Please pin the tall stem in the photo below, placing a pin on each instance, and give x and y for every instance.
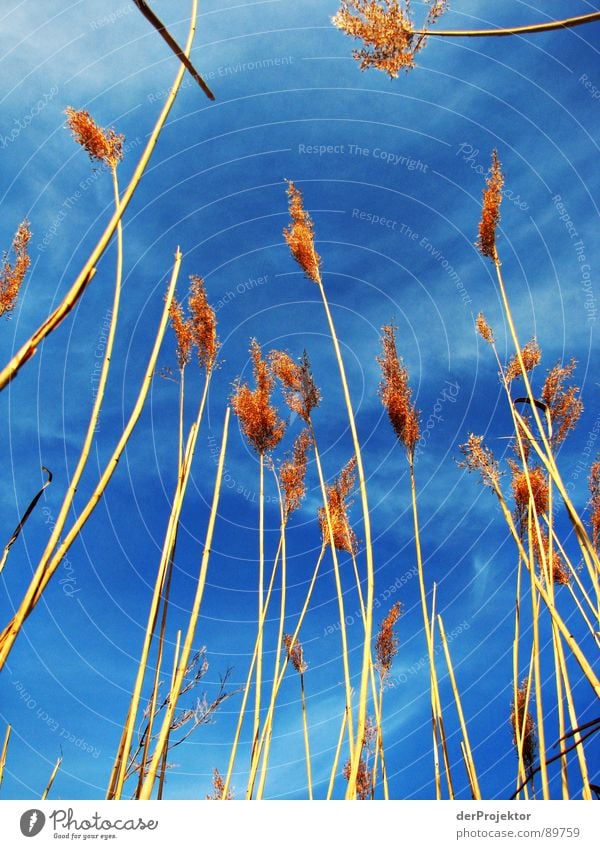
(182, 667)
(364, 678)
(527, 29)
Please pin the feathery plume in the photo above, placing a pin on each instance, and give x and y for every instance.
(560, 574)
(387, 31)
(564, 405)
(300, 236)
(478, 458)
(528, 733)
(293, 473)
(364, 778)
(484, 330)
(386, 644)
(520, 488)
(490, 214)
(344, 538)
(299, 389)
(183, 333)
(104, 145)
(531, 356)
(198, 330)
(218, 787)
(13, 274)
(395, 393)
(295, 654)
(203, 324)
(258, 418)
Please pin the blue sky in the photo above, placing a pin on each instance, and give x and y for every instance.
(409, 151)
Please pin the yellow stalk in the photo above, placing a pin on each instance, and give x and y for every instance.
(279, 644)
(261, 568)
(120, 770)
(246, 691)
(471, 771)
(27, 350)
(338, 750)
(364, 678)
(42, 576)
(528, 29)
(427, 627)
(269, 719)
(306, 744)
(377, 700)
(338, 585)
(177, 684)
(163, 765)
(438, 703)
(51, 779)
(518, 738)
(4, 752)
(537, 675)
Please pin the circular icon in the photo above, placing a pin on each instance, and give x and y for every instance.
(32, 822)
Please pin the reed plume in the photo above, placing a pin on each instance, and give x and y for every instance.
(300, 236)
(299, 389)
(13, 273)
(258, 418)
(386, 642)
(344, 538)
(490, 215)
(522, 719)
(395, 393)
(387, 31)
(218, 784)
(102, 145)
(528, 358)
(564, 405)
(293, 474)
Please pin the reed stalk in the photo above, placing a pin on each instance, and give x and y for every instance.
(120, 767)
(4, 752)
(44, 795)
(177, 683)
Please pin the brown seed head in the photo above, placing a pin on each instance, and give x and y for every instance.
(183, 333)
(531, 356)
(481, 459)
(520, 488)
(395, 393)
(104, 145)
(387, 31)
(484, 330)
(293, 473)
(490, 214)
(300, 236)
(594, 485)
(258, 418)
(386, 644)
(564, 405)
(528, 732)
(295, 654)
(299, 388)
(344, 538)
(364, 778)
(218, 787)
(204, 324)
(13, 274)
